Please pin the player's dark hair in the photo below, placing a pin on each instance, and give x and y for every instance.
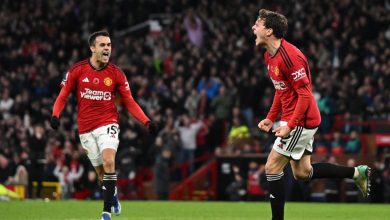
(93, 36)
(277, 22)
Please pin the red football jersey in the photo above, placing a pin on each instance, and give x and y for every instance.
(290, 74)
(96, 90)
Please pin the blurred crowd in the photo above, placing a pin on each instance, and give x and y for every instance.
(198, 75)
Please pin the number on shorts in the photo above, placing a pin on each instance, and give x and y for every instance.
(112, 130)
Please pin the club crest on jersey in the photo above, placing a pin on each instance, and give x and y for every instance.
(107, 81)
(273, 69)
(276, 71)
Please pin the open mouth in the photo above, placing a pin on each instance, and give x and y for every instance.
(106, 54)
(255, 35)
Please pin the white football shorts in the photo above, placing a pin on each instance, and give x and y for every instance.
(96, 141)
(299, 140)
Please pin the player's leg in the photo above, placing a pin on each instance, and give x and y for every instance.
(116, 208)
(109, 178)
(301, 149)
(274, 172)
(90, 145)
(100, 173)
(91, 148)
(281, 154)
(108, 141)
(304, 170)
(301, 164)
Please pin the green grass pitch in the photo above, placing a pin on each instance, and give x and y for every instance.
(148, 210)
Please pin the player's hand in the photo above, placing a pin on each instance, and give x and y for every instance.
(152, 127)
(282, 131)
(265, 125)
(54, 122)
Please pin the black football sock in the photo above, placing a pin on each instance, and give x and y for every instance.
(328, 170)
(276, 195)
(109, 183)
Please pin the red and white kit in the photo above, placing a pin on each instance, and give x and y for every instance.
(96, 91)
(97, 116)
(290, 74)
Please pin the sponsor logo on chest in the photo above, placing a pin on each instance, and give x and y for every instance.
(280, 85)
(95, 95)
(274, 72)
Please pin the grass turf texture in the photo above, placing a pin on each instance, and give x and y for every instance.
(148, 210)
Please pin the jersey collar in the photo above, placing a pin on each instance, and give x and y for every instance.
(90, 64)
(277, 51)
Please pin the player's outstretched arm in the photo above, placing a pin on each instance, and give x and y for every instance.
(128, 100)
(59, 105)
(67, 86)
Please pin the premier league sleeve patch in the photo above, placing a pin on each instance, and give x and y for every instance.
(63, 82)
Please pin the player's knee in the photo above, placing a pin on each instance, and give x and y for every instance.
(108, 164)
(301, 174)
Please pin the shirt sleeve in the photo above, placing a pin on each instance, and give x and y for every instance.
(276, 107)
(297, 72)
(67, 84)
(298, 77)
(304, 100)
(128, 100)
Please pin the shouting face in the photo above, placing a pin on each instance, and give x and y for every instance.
(261, 32)
(101, 51)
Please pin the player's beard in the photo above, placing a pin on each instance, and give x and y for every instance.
(100, 62)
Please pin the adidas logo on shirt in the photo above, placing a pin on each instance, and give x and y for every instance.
(85, 80)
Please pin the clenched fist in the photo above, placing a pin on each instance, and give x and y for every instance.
(265, 125)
